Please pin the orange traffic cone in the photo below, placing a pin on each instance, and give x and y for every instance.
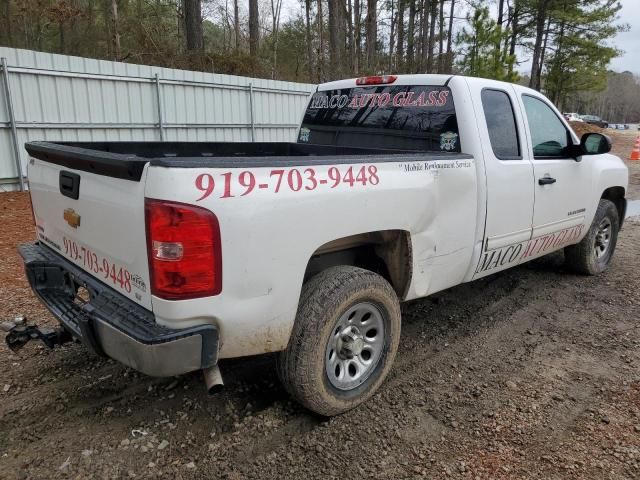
(635, 153)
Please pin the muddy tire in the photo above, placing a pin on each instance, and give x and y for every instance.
(593, 254)
(344, 340)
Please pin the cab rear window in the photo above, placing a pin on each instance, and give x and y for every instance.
(419, 118)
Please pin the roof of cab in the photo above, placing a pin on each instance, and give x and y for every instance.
(418, 79)
(423, 79)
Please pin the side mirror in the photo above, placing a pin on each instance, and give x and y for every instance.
(595, 144)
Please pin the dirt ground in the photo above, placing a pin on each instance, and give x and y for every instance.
(529, 373)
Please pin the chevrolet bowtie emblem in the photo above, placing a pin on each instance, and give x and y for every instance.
(71, 217)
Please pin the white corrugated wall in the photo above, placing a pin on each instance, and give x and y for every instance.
(58, 97)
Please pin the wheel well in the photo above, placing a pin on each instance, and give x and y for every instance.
(386, 252)
(616, 195)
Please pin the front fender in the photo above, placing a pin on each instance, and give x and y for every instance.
(611, 178)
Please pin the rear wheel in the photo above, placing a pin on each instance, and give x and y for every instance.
(593, 254)
(343, 342)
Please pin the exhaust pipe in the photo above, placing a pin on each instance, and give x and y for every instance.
(213, 379)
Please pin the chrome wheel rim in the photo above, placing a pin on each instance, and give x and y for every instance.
(355, 346)
(603, 238)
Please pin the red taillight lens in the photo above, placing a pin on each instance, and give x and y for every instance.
(185, 259)
(376, 80)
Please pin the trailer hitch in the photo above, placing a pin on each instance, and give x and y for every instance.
(19, 333)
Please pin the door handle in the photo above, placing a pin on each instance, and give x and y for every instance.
(546, 181)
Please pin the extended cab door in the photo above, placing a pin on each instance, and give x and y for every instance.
(509, 175)
(562, 184)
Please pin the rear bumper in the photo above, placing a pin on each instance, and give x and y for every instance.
(112, 325)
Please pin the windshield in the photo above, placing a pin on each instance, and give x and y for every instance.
(420, 118)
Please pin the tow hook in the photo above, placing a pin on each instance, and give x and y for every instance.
(19, 333)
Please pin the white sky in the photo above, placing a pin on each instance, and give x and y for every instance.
(629, 41)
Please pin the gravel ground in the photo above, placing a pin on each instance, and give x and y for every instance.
(529, 373)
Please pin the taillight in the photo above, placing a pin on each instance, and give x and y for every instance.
(185, 259)
(376, 80)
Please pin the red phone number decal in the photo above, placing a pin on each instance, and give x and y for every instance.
(119, 276)
(230, 184)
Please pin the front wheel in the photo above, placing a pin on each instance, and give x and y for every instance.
(344, 340)
(593, 254)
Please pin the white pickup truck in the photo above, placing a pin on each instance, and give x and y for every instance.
(170, 256)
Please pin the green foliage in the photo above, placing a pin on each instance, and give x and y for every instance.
(481, 52)
(580, 58)
(581, 65)
(148, 30)
(292, 57)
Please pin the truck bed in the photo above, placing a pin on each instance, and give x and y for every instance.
(126, 160)
(276, 206)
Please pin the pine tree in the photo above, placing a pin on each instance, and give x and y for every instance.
(481, 52)
(580, 57)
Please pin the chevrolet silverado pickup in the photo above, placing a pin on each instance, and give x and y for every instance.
(170, 256)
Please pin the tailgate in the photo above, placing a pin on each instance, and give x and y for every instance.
(96, 220)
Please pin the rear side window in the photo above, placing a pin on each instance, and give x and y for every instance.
(501, 122)
(419, 118)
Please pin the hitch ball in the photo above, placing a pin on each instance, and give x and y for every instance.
(9, 325)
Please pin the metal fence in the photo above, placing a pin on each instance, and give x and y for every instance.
(60, 98)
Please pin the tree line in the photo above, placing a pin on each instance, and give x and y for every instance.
(618, 102)
(561, 45)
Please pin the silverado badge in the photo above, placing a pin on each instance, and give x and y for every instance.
(71, 217)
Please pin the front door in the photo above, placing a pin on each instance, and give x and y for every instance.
(562, 185)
